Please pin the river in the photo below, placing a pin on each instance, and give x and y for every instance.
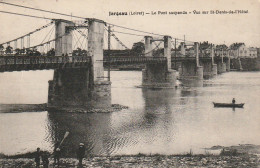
(165, 121)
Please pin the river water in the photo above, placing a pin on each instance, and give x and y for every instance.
(166, 121)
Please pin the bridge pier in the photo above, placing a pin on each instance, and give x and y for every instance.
(101, 90)
(209, 67)
(82, 87)
(221, 66)
(191, 69)
(214, 69)
(228, 64)
(159, 74)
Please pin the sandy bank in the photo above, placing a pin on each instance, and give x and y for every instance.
(146, 161)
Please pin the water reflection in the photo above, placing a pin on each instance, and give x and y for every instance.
(158, 114)
(192, 83)
(90, 129)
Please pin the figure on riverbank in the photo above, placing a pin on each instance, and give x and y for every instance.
(37, 157)
(81, 153)
(233, 101)
(45, 160)
(56, 153)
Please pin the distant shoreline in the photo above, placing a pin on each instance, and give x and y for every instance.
(16, 108)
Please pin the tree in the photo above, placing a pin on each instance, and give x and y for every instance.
(1, 47)
(51, 52)
(29, 52)
(204, 45)
(36, 53)
(76, 52)
(138, 48)
(158, 52)
(84, 52)
(179, 47)
(22, 51)
(17, 51)
(9, 50)
(235, 46)
(222, 46)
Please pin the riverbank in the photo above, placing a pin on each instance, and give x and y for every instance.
(17, 108)
(246, 155)
(146, 161)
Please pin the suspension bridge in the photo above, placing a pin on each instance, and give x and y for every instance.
(76, 53)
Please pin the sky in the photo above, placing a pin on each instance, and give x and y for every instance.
(215, 28)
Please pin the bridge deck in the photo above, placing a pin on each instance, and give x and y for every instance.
(24, 63)
(21, 63)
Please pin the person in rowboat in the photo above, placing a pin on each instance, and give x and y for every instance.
(233, 101)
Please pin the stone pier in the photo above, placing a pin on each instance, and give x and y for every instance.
(82, 87)
(191, 69)
(101, 90)
(228, 64)
(159, 75)
(221, 66)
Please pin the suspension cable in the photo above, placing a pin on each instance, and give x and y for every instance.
(46, 42)
(156, 47)
(42, 10)
(28, 33)
(14, 13)
(47, 34)
(75, 17)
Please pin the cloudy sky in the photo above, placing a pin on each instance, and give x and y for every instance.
(215, 28)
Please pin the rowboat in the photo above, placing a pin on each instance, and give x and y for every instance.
(228, 105)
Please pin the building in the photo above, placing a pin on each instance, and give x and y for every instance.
(238, 50)
(252, 52)
(205, 48)
(258, 52)
(221, 49)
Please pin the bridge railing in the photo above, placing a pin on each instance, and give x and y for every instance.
(22, 60)
(135, 59)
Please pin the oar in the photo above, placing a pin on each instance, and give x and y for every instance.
(65, 136)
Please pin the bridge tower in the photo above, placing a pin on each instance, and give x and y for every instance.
(63, 38)
(214, 69)
(209, 67)
(228, 63)
(191, 69)
(158, 74)
(82, 87)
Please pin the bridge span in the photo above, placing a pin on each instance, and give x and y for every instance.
(79, 81)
